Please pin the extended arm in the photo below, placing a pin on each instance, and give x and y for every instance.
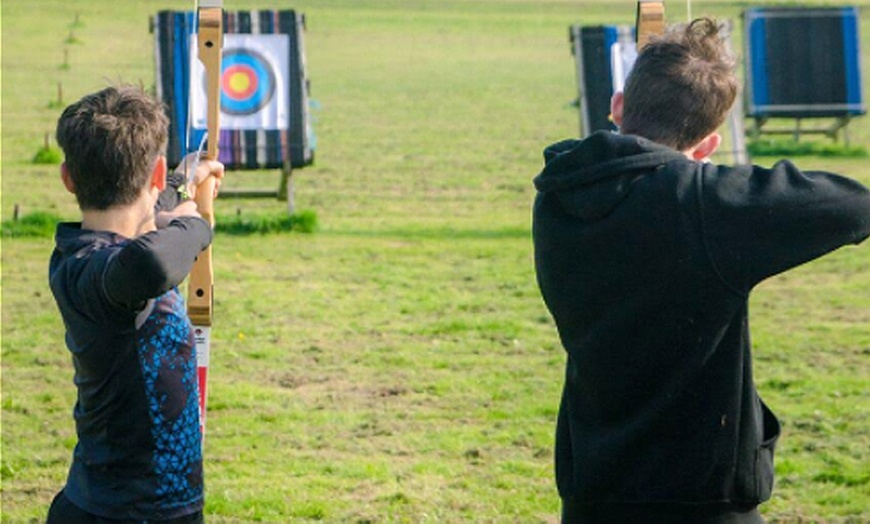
(760, 222)
(155, 262)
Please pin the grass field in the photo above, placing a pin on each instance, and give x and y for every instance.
(398, 364)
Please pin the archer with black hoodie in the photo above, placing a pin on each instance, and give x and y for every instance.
(645, 255)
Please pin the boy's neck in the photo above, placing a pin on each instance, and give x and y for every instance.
(129, 221)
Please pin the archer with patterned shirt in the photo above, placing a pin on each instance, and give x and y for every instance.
(114, 277)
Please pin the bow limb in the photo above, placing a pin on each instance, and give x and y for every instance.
(650, 21)
(200, 302)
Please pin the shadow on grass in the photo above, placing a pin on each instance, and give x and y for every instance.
(437, 234)
(43, 225)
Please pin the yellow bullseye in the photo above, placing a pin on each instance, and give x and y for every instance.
(239, 82)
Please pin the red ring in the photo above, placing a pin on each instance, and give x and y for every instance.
(239, 69)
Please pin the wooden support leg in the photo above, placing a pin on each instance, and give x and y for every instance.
(285, 189)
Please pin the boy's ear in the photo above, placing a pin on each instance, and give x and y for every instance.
(66, 178)
(158, 175)
(616, 104)
(707, 146)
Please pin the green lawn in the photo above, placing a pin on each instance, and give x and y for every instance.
(398, 364)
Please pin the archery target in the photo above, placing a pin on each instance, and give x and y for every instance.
(247, 82)
(254, 83)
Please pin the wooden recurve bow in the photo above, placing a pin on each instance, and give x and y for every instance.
(200, 300)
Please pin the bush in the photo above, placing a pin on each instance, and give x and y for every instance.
(303, 222)
(37, 224)
(48, 155)
(790, 148)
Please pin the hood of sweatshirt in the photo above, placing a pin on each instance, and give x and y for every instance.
(593, 175)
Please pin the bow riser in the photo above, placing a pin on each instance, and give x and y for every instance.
(650, 21)
(210, 45)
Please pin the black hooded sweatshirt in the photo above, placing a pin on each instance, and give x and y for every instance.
(645, 260)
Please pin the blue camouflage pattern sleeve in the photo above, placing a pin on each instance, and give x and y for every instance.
(167, 355)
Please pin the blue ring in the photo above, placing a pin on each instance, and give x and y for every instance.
(261, 97)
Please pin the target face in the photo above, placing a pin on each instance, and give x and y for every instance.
(247, 82)
(253, 81)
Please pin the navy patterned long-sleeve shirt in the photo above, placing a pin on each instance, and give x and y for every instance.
(139, 452)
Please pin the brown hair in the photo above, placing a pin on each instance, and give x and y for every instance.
(681, 87)
(111, 140)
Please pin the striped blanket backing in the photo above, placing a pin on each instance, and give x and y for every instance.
(239, 149)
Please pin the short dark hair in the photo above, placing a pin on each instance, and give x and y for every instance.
(111, 140)
(681, 86)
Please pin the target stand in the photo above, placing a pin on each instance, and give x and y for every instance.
(266, 120)
(803, 63)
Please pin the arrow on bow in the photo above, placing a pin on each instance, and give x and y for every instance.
(200, 301)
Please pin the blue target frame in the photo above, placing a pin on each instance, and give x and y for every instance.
(802, 62)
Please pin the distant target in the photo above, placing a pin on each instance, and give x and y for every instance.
(247, 82)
